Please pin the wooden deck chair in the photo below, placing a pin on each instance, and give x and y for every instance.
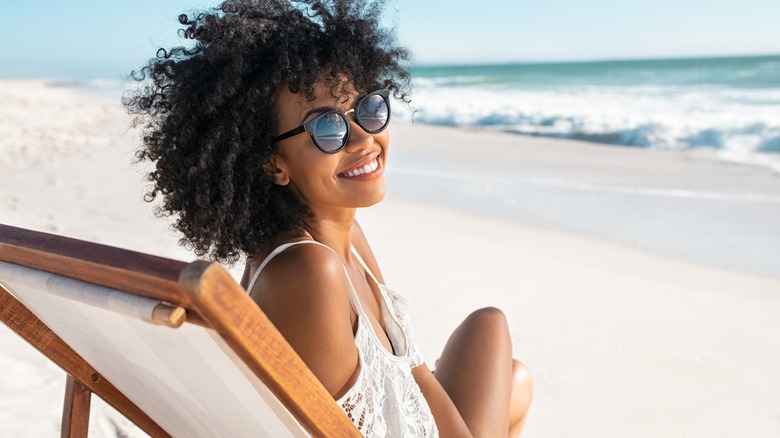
(179, 349)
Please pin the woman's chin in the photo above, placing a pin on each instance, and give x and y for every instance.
(375, 197)
(378, 199)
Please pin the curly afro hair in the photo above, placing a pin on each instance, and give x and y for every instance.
(209, 110)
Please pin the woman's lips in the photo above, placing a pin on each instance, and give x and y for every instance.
(369, 169)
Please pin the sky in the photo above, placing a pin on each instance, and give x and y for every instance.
(101, 38)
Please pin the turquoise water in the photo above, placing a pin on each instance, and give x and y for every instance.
(729, 105)
(742, 72)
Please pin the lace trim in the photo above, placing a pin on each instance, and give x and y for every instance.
(385, 399)
(399, 306)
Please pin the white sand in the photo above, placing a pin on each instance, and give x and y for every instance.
(621, 342)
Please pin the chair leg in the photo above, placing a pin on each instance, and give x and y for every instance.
(75, 412)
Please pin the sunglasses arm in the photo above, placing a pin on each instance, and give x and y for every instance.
(289, 134)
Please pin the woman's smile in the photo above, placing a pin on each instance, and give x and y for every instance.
(365, 170)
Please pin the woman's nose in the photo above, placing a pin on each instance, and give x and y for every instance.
(359, 139)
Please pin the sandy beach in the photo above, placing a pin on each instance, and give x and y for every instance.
(642, 287)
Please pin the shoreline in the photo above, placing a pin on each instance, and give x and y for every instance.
(681, 204)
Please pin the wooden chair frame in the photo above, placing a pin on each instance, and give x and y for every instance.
(211, 298)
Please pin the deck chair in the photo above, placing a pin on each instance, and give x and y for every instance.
(179, 349)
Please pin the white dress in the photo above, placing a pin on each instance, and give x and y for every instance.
(385, 400)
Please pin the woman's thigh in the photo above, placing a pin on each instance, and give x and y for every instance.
(476, 371)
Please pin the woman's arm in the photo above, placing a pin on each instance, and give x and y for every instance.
(304, 292)
(448, 419)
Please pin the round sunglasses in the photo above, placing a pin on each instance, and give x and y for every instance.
(330, 130)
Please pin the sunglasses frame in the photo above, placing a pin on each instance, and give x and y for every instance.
(310, 127)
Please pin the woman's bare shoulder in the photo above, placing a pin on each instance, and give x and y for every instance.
(304, 280)
(304, 292)
(299, 264)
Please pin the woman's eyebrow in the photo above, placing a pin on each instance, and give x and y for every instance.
(318, 110)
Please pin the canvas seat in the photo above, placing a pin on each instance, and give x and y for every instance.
(179, 349)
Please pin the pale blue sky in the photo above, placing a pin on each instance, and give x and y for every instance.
(92, 38)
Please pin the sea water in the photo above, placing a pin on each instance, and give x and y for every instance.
(729, 105)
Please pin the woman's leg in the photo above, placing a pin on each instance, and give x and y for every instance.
(522, 393)
(476, 371)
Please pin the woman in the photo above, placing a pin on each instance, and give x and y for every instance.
(267, 135)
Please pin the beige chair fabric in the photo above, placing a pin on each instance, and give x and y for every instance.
(186, 379)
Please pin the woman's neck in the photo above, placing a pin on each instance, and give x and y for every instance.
(333, 230)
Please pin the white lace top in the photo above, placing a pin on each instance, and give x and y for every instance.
(385, 400)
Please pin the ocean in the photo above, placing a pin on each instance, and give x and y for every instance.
(728, 105)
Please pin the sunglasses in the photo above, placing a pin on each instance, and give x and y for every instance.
(330, 130)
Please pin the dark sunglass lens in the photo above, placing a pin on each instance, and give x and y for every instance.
(373, 112)
(331, 131)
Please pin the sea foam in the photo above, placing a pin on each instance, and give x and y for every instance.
(730, 107)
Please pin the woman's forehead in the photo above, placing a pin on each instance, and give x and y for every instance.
(329, 93)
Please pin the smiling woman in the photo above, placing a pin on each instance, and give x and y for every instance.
(267, 135)
(212, 112)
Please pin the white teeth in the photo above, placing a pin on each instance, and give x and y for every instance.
(368, 168)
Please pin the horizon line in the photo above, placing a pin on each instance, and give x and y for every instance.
(588, 61)
(443, 64)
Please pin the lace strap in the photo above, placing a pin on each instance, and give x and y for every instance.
(365, 266)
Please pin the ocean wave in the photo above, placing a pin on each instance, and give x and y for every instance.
(452, 80)
(743, 122)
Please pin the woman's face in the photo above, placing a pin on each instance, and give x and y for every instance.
(328, 181)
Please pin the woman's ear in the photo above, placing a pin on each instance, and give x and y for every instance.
(275, 170)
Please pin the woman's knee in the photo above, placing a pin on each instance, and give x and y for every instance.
(522, 390)
(490, 319)
(483, 332)
(486, 327)
(488, 315)
(521, 376)
(522, 394)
